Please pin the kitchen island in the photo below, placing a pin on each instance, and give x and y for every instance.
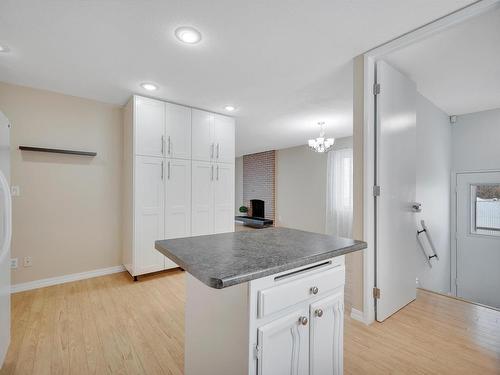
(268, 301)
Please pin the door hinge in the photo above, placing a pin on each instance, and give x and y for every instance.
(376, 89)
(376, 191)
(376, 293)
(257, 351)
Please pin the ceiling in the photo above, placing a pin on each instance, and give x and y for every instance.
(285, 64)
(459, 68)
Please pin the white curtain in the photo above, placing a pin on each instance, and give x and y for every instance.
(339, 193)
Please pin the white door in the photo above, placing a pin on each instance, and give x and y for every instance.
(224, 138)
(284, 345)
(149, 213)
(203, 146)
(5, 236)
(202, 212)
(177, 201)
(327, 335)
(478, 237)
(224, 198)
(149, 127)
(178, 131)
(396, 175)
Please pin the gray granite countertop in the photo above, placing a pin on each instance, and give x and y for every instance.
(222, 260)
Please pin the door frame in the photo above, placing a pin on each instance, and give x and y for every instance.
(453, 222)
(364, 80)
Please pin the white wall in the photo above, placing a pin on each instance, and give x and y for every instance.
(476, 141)
(434, 147)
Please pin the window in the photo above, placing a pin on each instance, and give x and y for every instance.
(485, 208)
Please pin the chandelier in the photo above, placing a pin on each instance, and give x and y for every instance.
(321, 144)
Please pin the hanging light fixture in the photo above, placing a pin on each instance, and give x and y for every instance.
(321, 144)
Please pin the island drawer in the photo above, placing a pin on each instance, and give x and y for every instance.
(287, 294)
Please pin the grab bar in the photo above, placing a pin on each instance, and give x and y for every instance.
(431, 244)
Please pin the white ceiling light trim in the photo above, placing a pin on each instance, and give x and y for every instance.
(321, 144)
(230, 108)
(149, 86)
(188, 35)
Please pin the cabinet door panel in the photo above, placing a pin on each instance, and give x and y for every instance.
(327, 335)
(224, 198)
(224, 128)
(178, 131)
(177, 201)
(202, 213)
(149, 213)
(149, 127)
(284, 346)
(203, 147)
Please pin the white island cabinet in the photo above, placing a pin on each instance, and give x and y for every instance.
(289, 323)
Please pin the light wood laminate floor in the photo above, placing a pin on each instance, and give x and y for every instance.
(110, 325)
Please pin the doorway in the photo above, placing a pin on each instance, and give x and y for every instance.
(477, 245)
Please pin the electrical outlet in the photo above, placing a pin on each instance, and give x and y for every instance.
(15, 191)
(28, 262)
(13, 263)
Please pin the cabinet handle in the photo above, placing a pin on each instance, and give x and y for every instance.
(162, 169)
(169, 147)
(218, 151)
(303, 320)
(212, 151)
(217, 172)
(314, 290)
(318, 313)
(162, 144)
(168, 170)
(212, 177)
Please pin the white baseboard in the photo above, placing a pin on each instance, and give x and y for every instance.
(357, 315)
(15, 288)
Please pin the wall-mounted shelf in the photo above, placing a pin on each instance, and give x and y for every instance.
(57, 151)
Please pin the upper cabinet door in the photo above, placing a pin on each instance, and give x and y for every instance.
(202, 213)
(327, 324)
(224, 198)
(203, 146)
(224, 138)
(149, 213)
(177, 201)
(178, 131)
(284, 345)
(149, 127)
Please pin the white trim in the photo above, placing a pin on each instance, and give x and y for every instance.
(370, 58)
(16, 288)
(358, 315)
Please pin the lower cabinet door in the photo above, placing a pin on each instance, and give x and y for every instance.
(149, 203)
(327, 335)
(224, 198)
(284, 345)
(177, 201)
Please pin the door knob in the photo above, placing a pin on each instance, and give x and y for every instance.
(319, 313)
(303, 320)
(416, 207)
(314, 290)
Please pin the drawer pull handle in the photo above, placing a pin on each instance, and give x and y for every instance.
(314, 290)
(319, 313)
(303, 320)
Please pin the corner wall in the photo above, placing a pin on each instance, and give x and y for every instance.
(68, 216)
(434, 145)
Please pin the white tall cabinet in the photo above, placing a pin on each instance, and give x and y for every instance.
(178, 178)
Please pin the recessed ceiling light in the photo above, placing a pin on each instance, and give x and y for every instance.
(229, 108)
(149, 86)
(4, 48)
(188, 35)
